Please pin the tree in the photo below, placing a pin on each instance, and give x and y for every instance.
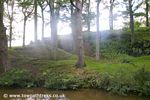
(111, 16)
(78, 32)
(35, 20)
(54, 14)
(54, 6)
(88, 15)
(42, 6)
(3, 41)
(73, 29)
(147, 2)
(10, 14)
(27, 10)
(131, 19)
(145, 13)
(97, 34)
(131, 8)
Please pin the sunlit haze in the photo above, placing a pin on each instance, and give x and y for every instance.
(63, 28)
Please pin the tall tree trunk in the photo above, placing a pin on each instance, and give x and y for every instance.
(3, 42)
(54, 14)
(147, 15)
(40, 3)
(78, 30)
(11, 16)
(53, 23)
(131, 21)
(89, 13)
(24, 31)
(54, 20)
(10, 34)
(73, 30)
(97, 34)
(42, 24)
(35, 20)
(111, 14)
(53, 30)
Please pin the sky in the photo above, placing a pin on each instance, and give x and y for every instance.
(63, 28)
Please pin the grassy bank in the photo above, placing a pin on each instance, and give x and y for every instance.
(122, 75)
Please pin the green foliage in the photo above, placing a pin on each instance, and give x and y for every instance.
(120, 42)
(138, 82)
(87, 80)
(54, 82)
(63, 82)
(123, 58)
(116, 43)
(17, 78)
(137, 24)
(139, 14)
(142, 76)
(140, 47)
(121, 82)
(58, 81)
(141, 82)
(25, 3)
(57, 75)
(143, 30)
(104, 81)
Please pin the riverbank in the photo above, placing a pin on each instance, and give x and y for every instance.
(123, 75)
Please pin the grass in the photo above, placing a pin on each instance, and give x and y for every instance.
(108, 64)
(115, 67)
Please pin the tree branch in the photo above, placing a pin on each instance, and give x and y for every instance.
(74, 5)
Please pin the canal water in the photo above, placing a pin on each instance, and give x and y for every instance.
(45, 94)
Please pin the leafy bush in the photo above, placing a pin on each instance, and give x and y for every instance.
(120, 84)
(142, 78)
(88, 80)
(140, 47)
(120, 42)
(58, 77)
(54, 83)
(104, 81)
(64, 81)
(17, 78)
(138, 82)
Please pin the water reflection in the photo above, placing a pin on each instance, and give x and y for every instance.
(44, 94)
(47, 98)
(56, 97)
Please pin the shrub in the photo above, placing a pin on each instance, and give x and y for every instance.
(138, 83)
(142, 78)
(16, 78)
(104, 81)
(119, 41)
